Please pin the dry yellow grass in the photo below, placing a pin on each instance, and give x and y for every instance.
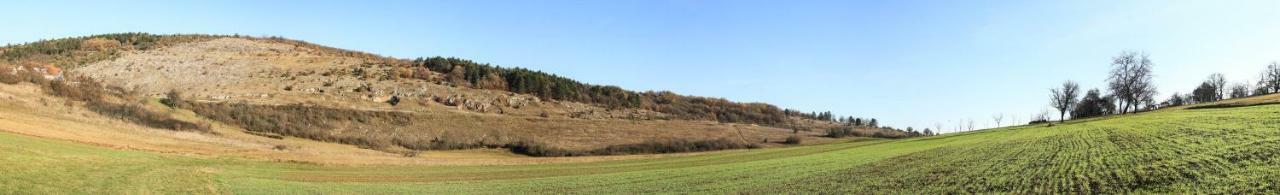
(25, 110)
(1237, 102)
(271, 73)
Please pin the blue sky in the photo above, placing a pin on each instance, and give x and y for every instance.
(907, 63)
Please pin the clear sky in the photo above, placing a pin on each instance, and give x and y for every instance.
(907, 63)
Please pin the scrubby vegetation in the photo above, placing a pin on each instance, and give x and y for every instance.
(853, 131)
(75, 51)
(311, 122)
(172, 99)
(92, 94)
(649, 147)
(325, 124)
(97, 98)
(792, 140)
(843, 132)
(550, 86)
(673, 146)
(140, 115)
(12, 74)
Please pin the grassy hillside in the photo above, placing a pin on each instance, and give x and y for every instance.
(278, 88)
(1209, 150)
(222, 67)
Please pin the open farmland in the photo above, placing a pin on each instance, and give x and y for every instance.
(640, 97)
(1175, 150)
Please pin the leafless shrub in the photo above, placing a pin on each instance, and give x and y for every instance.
(7, 76)
(173, 99)
(303, 121)
(410, 154)
(793, 139)
(99, 44)
(649, 147)
(137, 114)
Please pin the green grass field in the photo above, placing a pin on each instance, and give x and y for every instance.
(1221, 150)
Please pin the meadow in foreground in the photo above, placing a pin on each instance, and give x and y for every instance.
(1175, 150)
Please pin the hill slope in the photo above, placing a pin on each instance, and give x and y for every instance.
(1209, 150)
(275, 88)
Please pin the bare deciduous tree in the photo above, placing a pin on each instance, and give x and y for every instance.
(1270, 81)
(1042, 116)
(1130, 80)
(1219, 84)
(1204, 93)
(998, 118)
(1175, 100)
(1239, 90)
(1064, 98)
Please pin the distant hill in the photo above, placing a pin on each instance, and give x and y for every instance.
(276, 87)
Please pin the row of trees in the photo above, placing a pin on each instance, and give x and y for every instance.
(1212, 89)
(924, 132)
(852, 121)
(827, 116)
(1216, 88)
(550, 86)
(870, 127)
(1132, 90)
(1130, 84)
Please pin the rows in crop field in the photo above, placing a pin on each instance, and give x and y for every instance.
(1161, 152)
(1234, 150)
(1208, 150)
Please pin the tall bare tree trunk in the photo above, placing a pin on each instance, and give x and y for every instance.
(1123, 107)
